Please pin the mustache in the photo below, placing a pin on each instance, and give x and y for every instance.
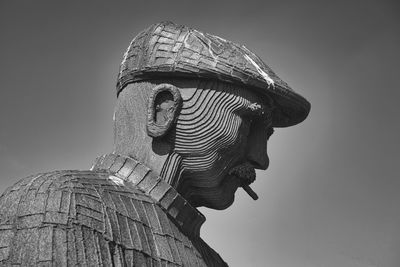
(245, 172)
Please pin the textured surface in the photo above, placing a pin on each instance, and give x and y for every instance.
(85, 217)
(166, 49)
(220, 128)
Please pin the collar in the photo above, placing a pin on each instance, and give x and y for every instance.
(131, 171)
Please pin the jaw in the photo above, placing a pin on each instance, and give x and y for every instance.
(219, 198)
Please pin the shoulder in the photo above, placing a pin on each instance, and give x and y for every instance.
(87, 217)
(60, 191)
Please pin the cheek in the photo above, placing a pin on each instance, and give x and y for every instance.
(231, 141)
(225, 135)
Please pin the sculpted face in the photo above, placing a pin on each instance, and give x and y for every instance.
(205, 138)
(221, 136)
(210, 145)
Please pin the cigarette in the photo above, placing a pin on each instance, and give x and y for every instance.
(250, 191)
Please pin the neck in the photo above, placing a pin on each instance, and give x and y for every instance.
(171, 169)
(144, 153)
(153, 153)
(135, 173)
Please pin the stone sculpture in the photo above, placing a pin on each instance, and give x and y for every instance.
(193, 116)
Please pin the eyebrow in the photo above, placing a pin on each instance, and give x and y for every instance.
(265, 102)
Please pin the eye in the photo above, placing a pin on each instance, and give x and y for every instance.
(246, 116)
(249, 119)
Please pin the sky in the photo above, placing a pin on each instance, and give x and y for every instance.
(330, 196)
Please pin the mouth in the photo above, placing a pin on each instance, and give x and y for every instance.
(246, 174)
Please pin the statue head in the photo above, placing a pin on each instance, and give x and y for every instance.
(199, 110)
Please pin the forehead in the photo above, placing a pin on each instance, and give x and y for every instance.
(253, 96)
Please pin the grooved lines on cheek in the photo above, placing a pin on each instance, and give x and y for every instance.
(215, 125)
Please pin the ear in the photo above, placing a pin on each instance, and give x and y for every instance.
(164, 106)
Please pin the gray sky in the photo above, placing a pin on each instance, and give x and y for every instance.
(330, 197)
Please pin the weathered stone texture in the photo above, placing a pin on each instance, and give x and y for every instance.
(83, 217)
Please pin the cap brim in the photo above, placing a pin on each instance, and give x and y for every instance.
(290, 107)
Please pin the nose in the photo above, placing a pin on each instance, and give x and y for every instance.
(257, 147)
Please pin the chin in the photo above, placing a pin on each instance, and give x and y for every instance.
(223, 203)
(212, 202)
(218, 198)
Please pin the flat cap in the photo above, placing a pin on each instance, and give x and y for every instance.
(169, 50)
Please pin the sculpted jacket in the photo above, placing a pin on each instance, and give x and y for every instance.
(119, 213)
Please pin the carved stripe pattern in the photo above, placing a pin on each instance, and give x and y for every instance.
(211, 136)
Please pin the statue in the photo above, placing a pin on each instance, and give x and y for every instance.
(193, 116)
